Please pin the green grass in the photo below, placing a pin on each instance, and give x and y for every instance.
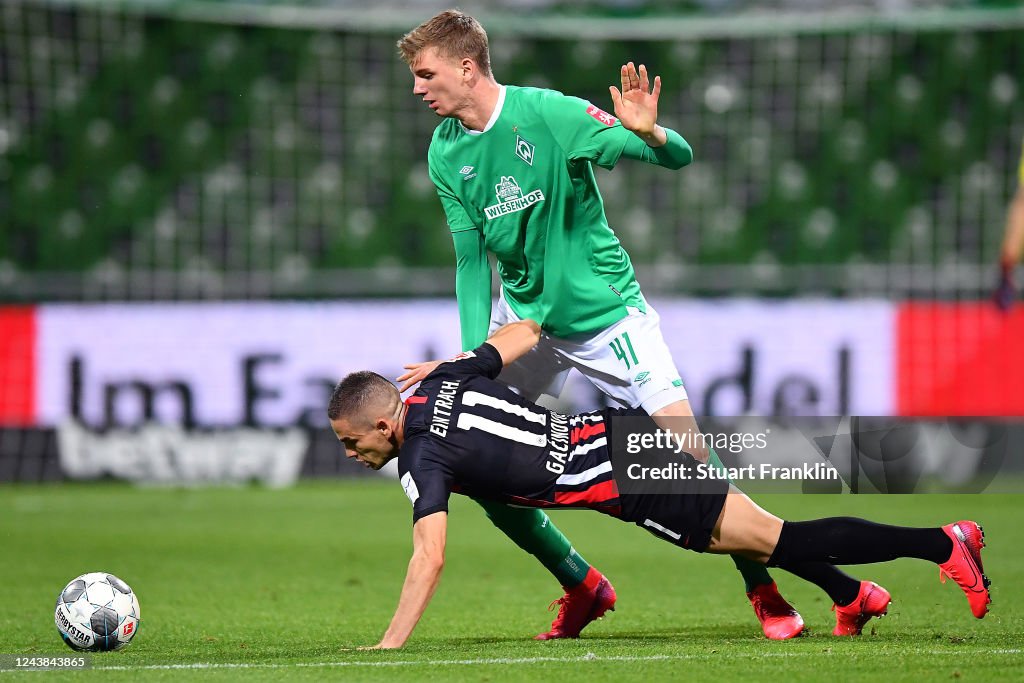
(285, 583)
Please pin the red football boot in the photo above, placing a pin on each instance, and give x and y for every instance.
(871, 601)
(779, 620)
(964, 564)
(579, 606)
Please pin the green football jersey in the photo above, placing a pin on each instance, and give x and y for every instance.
(526, 183)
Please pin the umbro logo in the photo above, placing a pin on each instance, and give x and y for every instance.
(467, 172)
(642, 376)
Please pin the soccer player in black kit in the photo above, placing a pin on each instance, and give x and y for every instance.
(463, 432)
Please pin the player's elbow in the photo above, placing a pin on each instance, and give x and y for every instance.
(682, 157)
(429, 555)
(430, 562)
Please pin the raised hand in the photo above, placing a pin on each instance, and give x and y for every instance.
(636, 106)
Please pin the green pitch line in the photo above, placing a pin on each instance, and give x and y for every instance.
(270, 585)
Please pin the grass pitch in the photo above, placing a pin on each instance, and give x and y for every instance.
(258, 585)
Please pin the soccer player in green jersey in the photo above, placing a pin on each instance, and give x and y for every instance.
(1013, 244)
(513, 167)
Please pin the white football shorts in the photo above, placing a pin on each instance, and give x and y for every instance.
(628, 361)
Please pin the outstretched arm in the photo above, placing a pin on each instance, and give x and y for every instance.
(511, 341)
(429, 535)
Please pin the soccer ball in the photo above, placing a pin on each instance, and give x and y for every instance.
(96, 612)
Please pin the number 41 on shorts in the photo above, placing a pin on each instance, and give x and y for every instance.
(620, 345)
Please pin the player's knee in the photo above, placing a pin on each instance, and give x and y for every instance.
(700, 453)
(516, 521)
(666, 405)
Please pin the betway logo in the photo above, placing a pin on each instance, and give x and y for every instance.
(514, 205)
(172, 455)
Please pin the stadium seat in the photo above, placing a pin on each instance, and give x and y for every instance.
(808, 147)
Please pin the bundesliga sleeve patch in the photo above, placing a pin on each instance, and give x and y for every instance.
(410, 487)
(601, 115)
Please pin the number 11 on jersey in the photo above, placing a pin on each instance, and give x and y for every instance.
(620, 351)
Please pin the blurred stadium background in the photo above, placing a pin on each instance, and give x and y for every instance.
(167, 150)
(204, 206)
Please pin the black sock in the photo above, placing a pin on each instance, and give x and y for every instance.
(841, 587)
(848, 540)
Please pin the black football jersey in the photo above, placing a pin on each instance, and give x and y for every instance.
(467, 433)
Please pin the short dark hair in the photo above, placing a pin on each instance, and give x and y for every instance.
(359, 392)
(455, 34)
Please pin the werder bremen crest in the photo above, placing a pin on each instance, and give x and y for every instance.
(525, 150)
(511, 198)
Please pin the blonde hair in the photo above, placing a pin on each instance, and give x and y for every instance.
(454, 33)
